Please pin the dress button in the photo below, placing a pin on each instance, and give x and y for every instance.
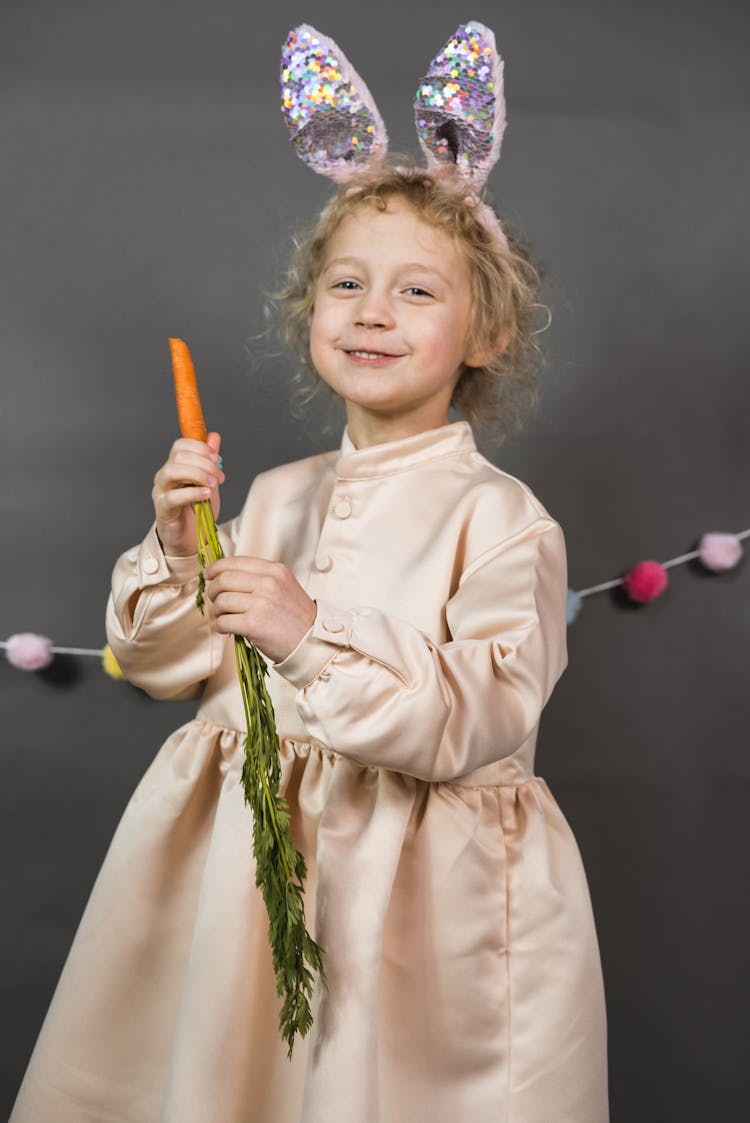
(132, 555)
(323, 563)
(343, 509)
(150, 565)
(333, 626)
(324, 676)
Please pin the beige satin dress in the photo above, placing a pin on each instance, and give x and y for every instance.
(464, 980)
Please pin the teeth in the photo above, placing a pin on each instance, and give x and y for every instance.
(368, 354)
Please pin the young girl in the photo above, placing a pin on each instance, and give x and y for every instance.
(409, 597)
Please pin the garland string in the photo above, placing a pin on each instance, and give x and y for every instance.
(665, 565)
(97, 652)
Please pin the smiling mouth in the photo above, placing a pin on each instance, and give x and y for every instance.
(373, 355)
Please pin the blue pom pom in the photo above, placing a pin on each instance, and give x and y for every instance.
(574, 605)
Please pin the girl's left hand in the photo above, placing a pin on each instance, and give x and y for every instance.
(260, 599)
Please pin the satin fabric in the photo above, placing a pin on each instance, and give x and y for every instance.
(464, 980)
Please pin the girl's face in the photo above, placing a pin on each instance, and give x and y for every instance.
(391, 319)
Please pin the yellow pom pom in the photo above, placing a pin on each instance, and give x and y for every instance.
(110, 664)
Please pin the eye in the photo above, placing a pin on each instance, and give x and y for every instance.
(346, 285)
(417, 290)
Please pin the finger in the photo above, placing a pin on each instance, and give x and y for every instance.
(243, 563)
(191, 471)
(186, 450)
(232, 625)
(212, 463)
(230, 603)
(203, 452)
(230, 581)
(189, 456)
(184, 467)
(168, 502)
(188, 444)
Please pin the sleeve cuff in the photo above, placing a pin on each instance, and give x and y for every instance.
(330, 630)
(154, 567)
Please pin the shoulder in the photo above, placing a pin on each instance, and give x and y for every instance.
(495, 486)
(498, 509)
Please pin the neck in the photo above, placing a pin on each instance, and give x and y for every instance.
(366, 429)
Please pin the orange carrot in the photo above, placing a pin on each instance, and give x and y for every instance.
(189, 411)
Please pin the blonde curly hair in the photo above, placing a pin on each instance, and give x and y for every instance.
(495, 398)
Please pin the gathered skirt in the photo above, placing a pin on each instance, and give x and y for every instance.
(463, 973)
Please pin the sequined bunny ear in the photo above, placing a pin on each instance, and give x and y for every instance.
(460, 107)
(331, 116)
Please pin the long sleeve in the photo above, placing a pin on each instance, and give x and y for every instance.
(373, 687)
(158, 635)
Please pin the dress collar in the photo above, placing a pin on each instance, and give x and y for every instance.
(398, 456)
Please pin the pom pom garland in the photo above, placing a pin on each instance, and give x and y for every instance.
(718, 552)
(644, 582)
(30, 652)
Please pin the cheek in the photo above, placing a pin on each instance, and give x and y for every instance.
(323, 334)
(314, 330)
(317, 331)
(322, 321)
(445, 343)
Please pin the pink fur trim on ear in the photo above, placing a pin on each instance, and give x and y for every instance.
(459, 109)
(332, 118)
(486, 215)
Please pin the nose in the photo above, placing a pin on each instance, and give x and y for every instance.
(373, 310)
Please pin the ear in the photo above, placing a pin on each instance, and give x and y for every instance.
(460, 106)
(331, 116)
(480, 354)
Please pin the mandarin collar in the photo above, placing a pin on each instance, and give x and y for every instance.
(399, 456)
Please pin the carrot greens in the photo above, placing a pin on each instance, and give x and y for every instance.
(280, 869)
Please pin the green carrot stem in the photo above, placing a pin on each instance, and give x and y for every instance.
(239, 645)
(280, 868)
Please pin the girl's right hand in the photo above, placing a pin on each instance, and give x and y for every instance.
(189, 475)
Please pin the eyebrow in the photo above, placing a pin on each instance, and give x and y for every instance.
(409, 266)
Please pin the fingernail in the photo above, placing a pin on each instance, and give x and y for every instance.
(220, 462)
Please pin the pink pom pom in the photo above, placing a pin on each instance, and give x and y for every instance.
(28, 651)
(719, 551)
(645, 581)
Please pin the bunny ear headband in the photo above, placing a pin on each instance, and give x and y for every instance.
(459, 111)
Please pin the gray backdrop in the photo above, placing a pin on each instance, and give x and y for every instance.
(148, 190)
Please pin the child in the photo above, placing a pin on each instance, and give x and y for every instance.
(409, 597)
